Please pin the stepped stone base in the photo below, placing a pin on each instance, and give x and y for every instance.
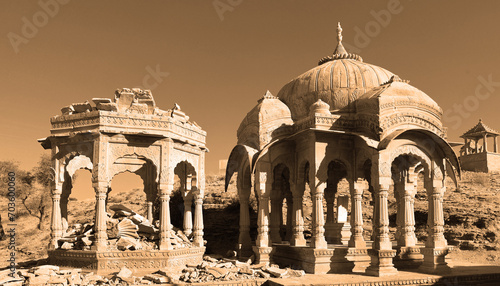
(314, 261)
(106, 262)
(381, 264)
(408, 257)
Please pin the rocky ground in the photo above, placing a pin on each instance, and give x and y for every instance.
(471, 215)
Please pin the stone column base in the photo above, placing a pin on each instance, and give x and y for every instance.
(262, 254)
(360, 258)
(338, 233)
(435, 260)
(408, 257)
(381, 263)
(298, 242)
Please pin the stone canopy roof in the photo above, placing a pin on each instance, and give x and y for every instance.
(479, 131)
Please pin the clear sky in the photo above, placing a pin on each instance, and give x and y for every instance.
(217, 58)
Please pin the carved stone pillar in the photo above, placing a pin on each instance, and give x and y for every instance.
(149, 211)
(198, 220)
(318, 240)
(407, 235)
(485, 143)
(330, 216)
(297, 219)
(101, 190)
(289, 217)
(357, 252)
(382, 253)
(261, 249)
(357, 240)
(341, 227)
(399, 187)
(495, 148)
(188, 216)
(244, 239)
(56, 223)
(263, 222)
(276, 215)
(408, 254)
(165, 226)
(436, 247)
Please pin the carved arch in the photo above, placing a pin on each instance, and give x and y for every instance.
(78, 162)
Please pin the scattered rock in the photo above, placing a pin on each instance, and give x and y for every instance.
(124, 273)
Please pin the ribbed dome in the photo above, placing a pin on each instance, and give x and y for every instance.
(337, 82)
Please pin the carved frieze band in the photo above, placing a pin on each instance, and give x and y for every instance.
(99, 119)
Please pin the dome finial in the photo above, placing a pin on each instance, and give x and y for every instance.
(339, 33)
(340, 52)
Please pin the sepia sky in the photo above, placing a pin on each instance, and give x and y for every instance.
(217, 58)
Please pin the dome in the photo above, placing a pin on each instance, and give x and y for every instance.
(338, 80)
(263, 122)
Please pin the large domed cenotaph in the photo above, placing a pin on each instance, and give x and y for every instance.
(343, 120)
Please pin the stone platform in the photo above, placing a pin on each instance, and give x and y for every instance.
(320, 261)
(106, 262)
(480, 275)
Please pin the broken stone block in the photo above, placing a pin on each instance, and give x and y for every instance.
(67, 245)
(126, 228)
(157, 278)
(86, 241)
(39, 280)
(295, 273)
(245, 269)
(57, 280)
(262, 274)
(121, 210)
(8, 280)
(276, 272)
(107, 106)
(217, 272)
(124, 273)
(91, 277)
(45, 270)
(75, 279)
(112, 232)
(68, 239)
(101, 100)
(225, 265)
(67, 110)
(82, 107)
(128, 243)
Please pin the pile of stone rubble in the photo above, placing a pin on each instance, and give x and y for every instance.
(209, 270)
(212, 269)
(126, 230)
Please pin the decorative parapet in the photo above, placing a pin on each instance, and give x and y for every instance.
(317, 121)
(132, 112)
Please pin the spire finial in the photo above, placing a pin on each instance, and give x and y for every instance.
(340, 52)
(339, 33)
